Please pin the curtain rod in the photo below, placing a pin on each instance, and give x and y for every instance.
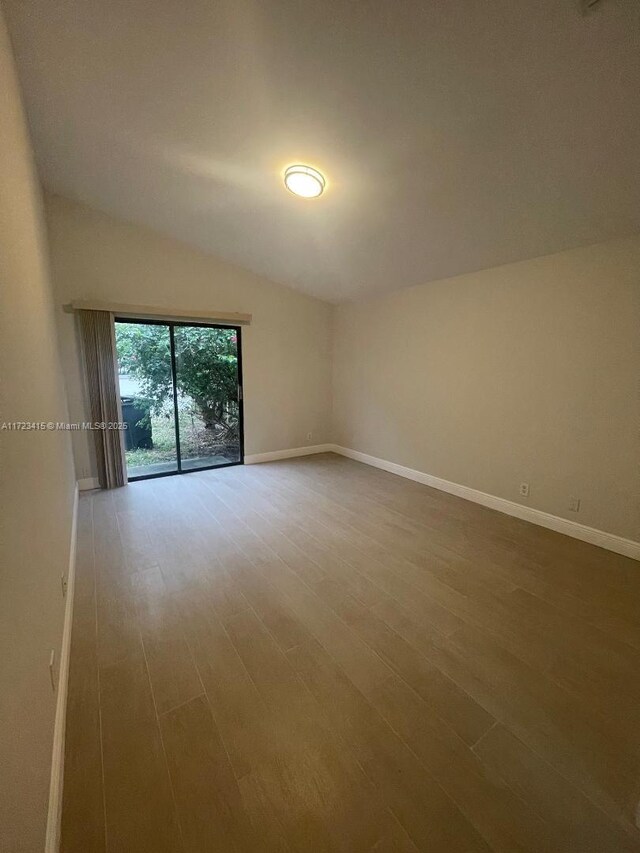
(153, 312)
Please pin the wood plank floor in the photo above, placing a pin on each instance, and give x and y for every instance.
(315, 655)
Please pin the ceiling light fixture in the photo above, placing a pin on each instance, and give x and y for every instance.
(304, 181)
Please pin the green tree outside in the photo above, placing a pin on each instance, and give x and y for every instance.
(206, 369)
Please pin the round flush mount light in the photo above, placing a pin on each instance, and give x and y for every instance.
(304, 181)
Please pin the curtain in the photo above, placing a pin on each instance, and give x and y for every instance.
(98, 342)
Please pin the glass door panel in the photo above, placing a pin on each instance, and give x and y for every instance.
(207, 392)
(146, 392)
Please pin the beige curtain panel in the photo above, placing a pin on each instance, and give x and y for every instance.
(98, 343)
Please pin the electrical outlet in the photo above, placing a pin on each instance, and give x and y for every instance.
(309, 436)
(574, 504)
(524, 490)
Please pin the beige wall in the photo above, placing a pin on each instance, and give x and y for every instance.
(286, 350)
(36, 487)
(528, 372)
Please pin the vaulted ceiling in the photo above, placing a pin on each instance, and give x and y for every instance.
(454, 135)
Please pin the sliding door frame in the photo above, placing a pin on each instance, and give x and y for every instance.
(171, 324)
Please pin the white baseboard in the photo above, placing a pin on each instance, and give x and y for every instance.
(627, 547)
(88, 483)
(255, 458)
(54, 815)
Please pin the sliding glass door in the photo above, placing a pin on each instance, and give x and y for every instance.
(146, 392)
(207, 383)
(181, 392)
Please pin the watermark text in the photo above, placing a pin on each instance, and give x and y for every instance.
(18, 426)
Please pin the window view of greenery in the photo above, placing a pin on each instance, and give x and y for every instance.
(207, 392)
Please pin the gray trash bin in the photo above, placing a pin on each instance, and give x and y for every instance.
(136, 414)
